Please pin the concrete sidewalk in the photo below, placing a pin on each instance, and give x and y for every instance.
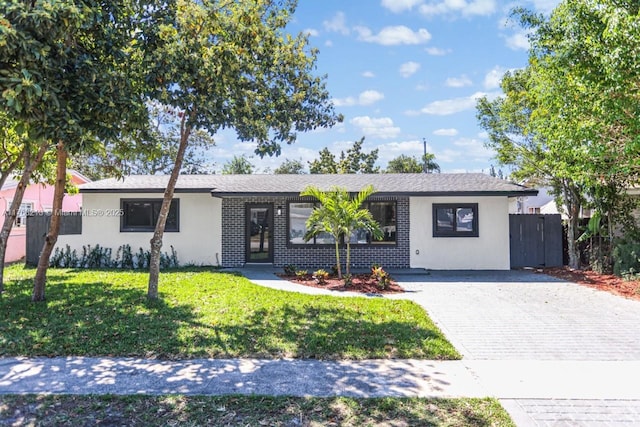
(370, 378)
(294, 377)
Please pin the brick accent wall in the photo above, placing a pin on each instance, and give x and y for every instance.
(311, 257)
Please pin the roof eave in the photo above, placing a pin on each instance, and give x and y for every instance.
(222, 194)
(143, 190)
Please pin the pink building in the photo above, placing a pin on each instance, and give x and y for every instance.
(37, 198)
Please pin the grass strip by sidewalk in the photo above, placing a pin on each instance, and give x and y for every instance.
(204, 314)
(73, 410)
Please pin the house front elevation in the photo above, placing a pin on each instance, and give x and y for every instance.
(433, 221)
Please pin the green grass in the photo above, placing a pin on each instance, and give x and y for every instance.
(248, 411)
(204, 314)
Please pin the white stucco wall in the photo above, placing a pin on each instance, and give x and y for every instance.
(198, 242)
(488, 251)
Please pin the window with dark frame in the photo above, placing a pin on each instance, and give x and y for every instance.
(142, 215)
(384, 212)
(455, 220)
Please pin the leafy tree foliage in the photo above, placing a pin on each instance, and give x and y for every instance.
(290, 167)
(325, 164)
(231, 64)
(404, 164)
(409, 164)
(340, 215)
(239, 165)
(153, 155)
(567, 119)
(353, 161)
(67, 80)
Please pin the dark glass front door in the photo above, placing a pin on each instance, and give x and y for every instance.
(259, 229)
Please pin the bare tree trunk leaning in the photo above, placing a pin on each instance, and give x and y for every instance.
(156, 240)
(54, 227)
(30, 164)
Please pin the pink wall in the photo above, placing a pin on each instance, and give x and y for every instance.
(41, 197)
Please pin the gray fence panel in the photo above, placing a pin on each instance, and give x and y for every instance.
(38, 226)
(535, 240)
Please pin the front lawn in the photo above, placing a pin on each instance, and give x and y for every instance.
(204, 314)
(248, 411)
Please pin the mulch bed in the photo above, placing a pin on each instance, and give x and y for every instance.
(362, 283)
(604, 282)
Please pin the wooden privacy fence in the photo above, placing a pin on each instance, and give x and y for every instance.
(535, 240)
(38, 226)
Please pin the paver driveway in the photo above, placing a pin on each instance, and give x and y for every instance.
(507, 315)
(555, 353)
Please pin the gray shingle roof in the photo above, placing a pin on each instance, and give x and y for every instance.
(229, 185)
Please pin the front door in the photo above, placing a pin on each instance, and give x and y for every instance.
(259, 229)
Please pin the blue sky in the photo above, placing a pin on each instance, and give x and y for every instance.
(403, 70)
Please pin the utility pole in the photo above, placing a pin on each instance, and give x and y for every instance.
(424, 157)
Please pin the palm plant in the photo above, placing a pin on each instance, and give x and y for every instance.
(340, 216)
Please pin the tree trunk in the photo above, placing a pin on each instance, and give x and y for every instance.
(156, 240)
(54, 227)
(348, 266)
(572, 202)
(338, 260)
(30, 164)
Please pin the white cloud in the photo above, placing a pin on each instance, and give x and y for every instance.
(398, 6)
(412, 113)
(493, 78)
(349, 101)
(474, 150)
(461, 81)
(436, 51)
(463, 7)
(518, 41)
(367, 97)
(311, 32)
(446, 132)
(391, 150)
(394, 35)
(368, 74)
(451, 106)
(376, 127)
(337, 24)
(409, 68)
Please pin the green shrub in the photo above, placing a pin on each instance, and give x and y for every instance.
(348, 280)
(382, 278)
(302, 274)
(321, 276)
(626, 260)
(290, 269)
(101, 257)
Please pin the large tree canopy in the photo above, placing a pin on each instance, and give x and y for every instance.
(67, 78)
(353, 161)
(569, 119)
(232, 65)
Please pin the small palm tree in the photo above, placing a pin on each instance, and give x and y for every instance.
(340, 215)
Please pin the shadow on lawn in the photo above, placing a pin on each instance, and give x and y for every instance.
(310, 332)
(107, 319)
(88, 319)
